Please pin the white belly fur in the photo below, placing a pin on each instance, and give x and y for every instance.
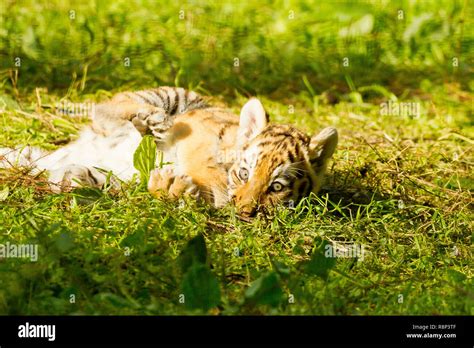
(112, 153)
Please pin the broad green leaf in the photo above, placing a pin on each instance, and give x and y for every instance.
(265, 290)
(456, 275)
(200, 288)
(168, 223)
(114, 300)
(134, 239)
(65, 241)
(87, 195)
(321, 262)
(64, 125)
(144, 158)
(194, 253)
(379, 90)
(356, 98)
(282, 269)
(7, 102)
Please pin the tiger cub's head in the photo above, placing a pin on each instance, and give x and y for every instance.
(277, 163)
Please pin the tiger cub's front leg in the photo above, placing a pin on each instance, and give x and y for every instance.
(164, 183)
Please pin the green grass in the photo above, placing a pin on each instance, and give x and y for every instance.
(84, 236)
(400, 186)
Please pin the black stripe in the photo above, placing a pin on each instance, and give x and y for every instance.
(92, 176)
(234, 176)
(291, 156)
(186, 95)
(267, 116)
(302, 189)
(310, 180)
(140, 99)
(176, 103)
(148, 101)
(158, 95)
(169, 102)
(221, 133)
(316, 162)
(163, 100)
(152, 95)
(299, 173)
(266, 143)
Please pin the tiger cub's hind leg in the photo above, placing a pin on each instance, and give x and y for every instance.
(147, 119)
(151, 111)
(72, 176)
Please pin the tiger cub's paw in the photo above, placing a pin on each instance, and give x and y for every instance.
(69, 177)
(164, 183)
(152, 120)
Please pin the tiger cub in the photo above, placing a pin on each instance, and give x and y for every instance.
(214, 154)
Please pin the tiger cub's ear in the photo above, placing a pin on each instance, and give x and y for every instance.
(253, 120)
(322, 147)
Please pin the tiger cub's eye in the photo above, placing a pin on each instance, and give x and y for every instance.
(243, 174)
(276, 187)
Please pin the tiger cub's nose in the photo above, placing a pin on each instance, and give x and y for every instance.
(247, 211)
